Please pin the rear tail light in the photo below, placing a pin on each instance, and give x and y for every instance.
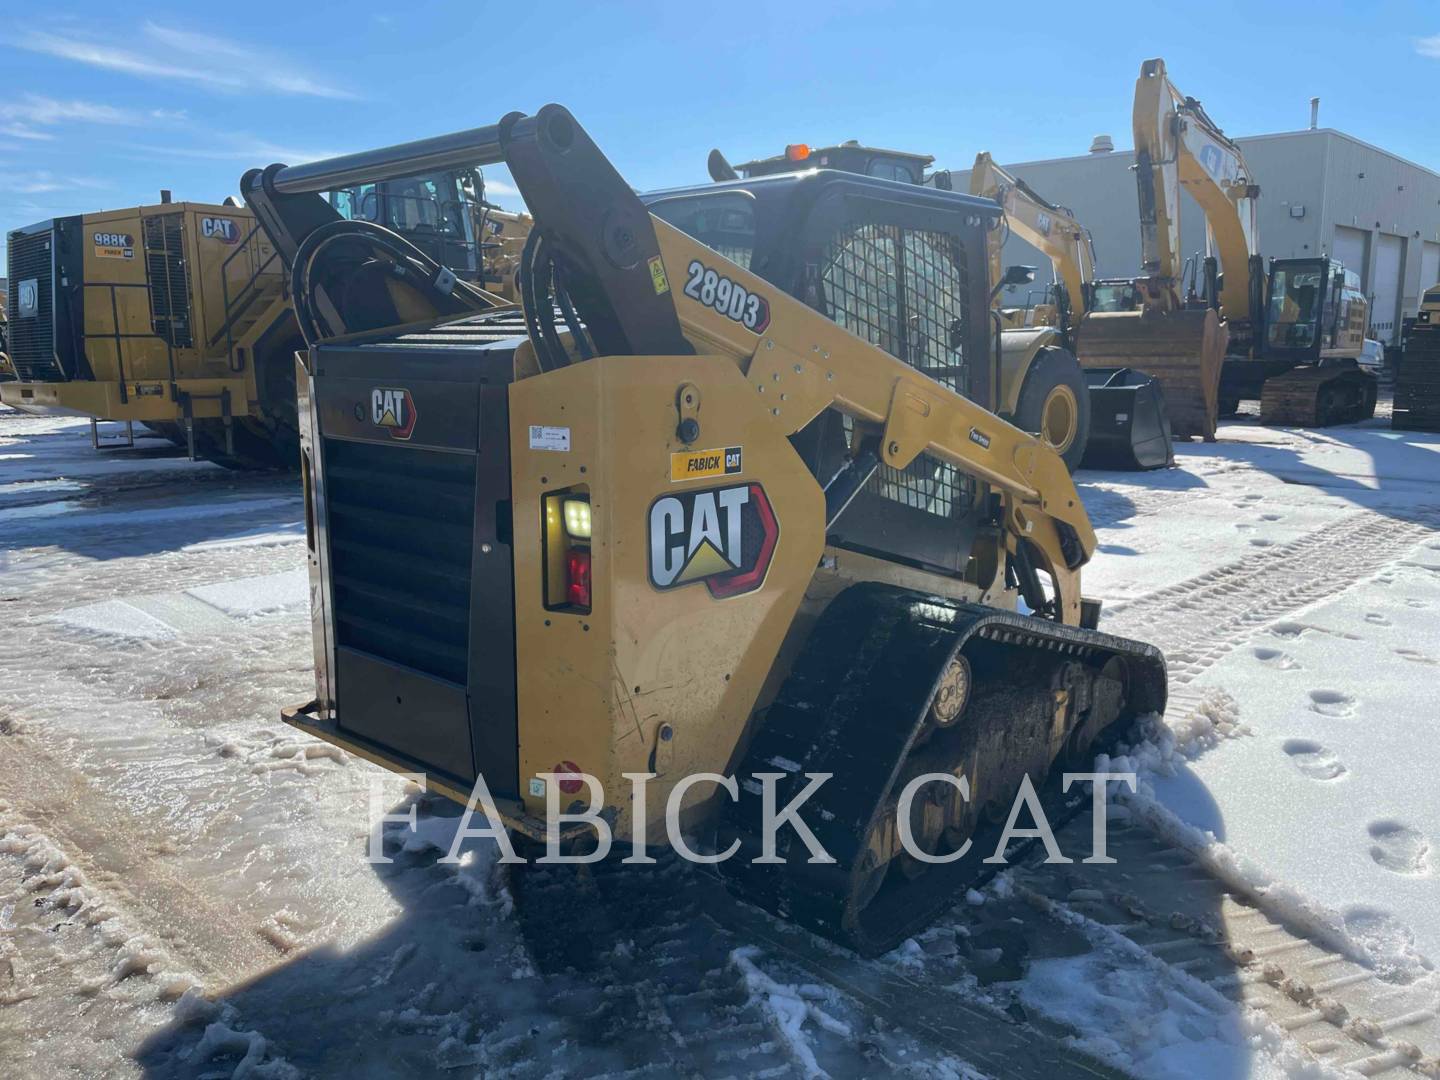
(568, 525)
(577, 577)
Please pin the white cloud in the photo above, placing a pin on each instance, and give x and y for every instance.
(24, 119)
(217, 63)
(255, 152)
(42, 181)
(500, 187)
(1428, 46)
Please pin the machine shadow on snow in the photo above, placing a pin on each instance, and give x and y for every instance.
(460, 981)
(141, 501)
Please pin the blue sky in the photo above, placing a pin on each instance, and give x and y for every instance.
(101, 105)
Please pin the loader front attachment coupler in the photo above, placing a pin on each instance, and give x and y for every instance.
(1184, 350)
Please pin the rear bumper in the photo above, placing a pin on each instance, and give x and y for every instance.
(310, 719)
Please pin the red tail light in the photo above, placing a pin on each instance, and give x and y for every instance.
(577, 577)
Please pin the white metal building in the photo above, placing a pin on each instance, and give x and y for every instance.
(1321, 191)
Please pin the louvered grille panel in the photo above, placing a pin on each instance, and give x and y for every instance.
(401, 529)
(32, 338)
(168, 276)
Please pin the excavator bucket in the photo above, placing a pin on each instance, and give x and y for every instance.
(1183, 350)
(1128, 425)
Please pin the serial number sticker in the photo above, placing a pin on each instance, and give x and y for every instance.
(729, 298)
(657, 275)
(697, 464)
(113, 245)
(543, 437)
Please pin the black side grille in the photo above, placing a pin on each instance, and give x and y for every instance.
(401, 529)
(907, 290)
(169, 285)
(32, 338)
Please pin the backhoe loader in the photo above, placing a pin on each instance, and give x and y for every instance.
(1041, 387)
(178, 315)
(1292, 344)
(722, 496)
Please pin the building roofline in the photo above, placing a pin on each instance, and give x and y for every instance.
(1242, 139)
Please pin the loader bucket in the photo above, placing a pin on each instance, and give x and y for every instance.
(1183, 350)
(1128, 425)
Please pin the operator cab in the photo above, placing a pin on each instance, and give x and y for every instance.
(849, 156)
(434, 211)
(1115, 294)
(1313, 303)
(899, 265)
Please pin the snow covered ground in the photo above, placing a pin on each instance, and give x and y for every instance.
(184, 889)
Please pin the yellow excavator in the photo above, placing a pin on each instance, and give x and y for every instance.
(1041, 387)
(1290, 340)
(680, 514)
(1182, 346)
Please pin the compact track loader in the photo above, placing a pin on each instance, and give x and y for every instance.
(673, 517)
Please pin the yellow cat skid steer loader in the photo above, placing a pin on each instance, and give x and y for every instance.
(684, 523)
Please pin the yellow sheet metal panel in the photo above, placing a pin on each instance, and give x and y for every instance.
(663, 645)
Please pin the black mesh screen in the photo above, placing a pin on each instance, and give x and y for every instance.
(169, 287)
(906, 290)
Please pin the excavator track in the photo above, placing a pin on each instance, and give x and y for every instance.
(1318, 396)
(1417, 382)
(865, 704)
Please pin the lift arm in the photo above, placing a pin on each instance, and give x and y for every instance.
(1050, 229)
(630, 279)
(1178, 145)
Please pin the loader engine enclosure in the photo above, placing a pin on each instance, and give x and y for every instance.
(716, 499)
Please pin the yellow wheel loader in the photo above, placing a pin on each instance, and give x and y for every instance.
(729, 504)
(1041, 387)
(178, 315)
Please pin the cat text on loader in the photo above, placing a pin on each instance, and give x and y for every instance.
(688, 524)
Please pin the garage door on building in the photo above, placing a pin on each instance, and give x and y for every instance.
(1385, 296)
(1350, 249)
(1429, 265)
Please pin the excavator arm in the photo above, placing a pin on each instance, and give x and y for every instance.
(1178, 146)
(1045, 226)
